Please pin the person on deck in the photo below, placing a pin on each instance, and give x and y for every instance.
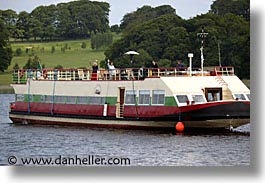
(111, 68)
(180, 64)
(154, 67)
(94, 71)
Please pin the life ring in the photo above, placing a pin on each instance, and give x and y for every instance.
(45, 75)
(141, 72)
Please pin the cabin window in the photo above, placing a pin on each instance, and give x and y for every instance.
(248, 95)
(198, 98)
(82, 100)
(59, 99)
(49, 99)
(42, 98)
(28, 98)
(130, 97)
(182, 99)
(20, 97)
(96, 100)
(239, 97)
(70, 100)
(213, 94)
(144, 97)
(158, 97)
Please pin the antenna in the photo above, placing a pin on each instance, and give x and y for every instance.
(202, 35)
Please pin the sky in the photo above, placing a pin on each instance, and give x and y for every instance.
(184, 8)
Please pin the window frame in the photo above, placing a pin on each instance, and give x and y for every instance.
(142, 93)
(181, 103)
(21, 97)
(132, 93)
(91, 102)
(164, 98)
(199, 102)
(242, 94)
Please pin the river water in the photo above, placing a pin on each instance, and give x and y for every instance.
(142, 148)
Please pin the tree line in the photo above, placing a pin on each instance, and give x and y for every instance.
(156, 33)
(72, 20)
(161, 35)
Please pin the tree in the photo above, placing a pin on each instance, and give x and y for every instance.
(144, 14)
(72, 20)
(5, 48)
(9, 17)
(43, 21)
(23, 25)
(18, 51)
(101, 40)
(169, 38)
(238, 7)
(115, 28)
(16, 67)
(28, 65)
(154, 37)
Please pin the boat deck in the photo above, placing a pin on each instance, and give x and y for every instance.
(20, 76)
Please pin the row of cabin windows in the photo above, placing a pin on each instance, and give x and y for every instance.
(157, 97)
(216, 96)
(61, 99)
(145, 98)
(242, 96)
(195, 98)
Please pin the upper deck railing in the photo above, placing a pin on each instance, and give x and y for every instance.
(21, 76)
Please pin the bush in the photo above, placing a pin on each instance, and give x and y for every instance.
(53, 49)
(58, 67)
(83, 45)
(18, 51)
(65, 46)
(164, 63)
(28, 64)
(16, 67)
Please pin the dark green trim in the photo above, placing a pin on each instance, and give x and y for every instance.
(111, 100)
(170, 101)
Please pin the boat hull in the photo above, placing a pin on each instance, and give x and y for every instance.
(217, 115)
(126, 123)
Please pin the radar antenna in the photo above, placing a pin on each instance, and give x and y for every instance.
(202, 35)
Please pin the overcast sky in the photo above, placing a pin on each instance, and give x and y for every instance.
(184, 8)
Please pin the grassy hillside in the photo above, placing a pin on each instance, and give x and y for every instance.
(69, 54)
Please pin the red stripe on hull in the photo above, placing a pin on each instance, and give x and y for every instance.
(74, 109)
(129, 111)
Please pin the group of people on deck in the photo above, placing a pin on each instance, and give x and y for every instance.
(112, 69)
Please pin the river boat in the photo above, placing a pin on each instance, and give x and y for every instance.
(133, 98)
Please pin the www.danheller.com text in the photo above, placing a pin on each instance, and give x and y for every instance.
(90, 160)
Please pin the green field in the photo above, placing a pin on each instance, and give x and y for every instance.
(73, 55)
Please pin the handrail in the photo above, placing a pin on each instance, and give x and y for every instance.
(20, 76)
(224, 70)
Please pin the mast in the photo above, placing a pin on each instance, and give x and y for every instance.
(202, 35)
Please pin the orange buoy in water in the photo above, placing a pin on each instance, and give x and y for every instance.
(180, 126)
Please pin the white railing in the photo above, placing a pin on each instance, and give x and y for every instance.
(21, 76)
